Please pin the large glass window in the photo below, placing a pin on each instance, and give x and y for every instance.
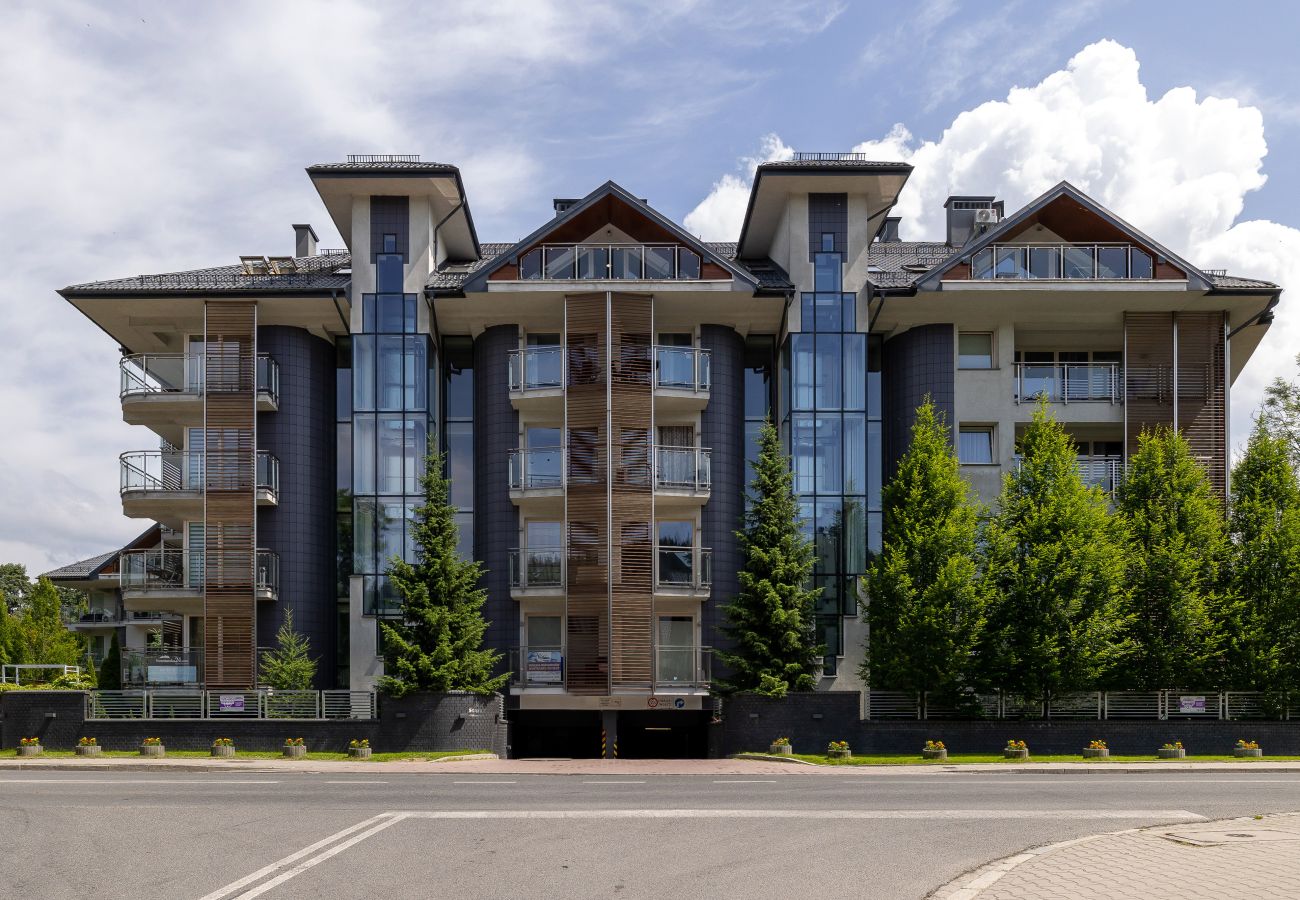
(975, 350)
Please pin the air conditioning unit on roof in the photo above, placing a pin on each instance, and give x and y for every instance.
(986, 217)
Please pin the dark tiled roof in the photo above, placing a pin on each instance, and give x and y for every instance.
(901, 263)
(314, 273)
(394, 165)
(452, 274)
(1232, 282)
(80, 569)
(841, 163)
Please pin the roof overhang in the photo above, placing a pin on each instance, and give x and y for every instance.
(441, 184)
(773, 183)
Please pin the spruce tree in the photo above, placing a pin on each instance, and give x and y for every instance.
(438, 643)
(1279, 414)
(1263, 625)
(110, 670)
(1175, 528)
(770, 621)
(46, 640)
(1054, 566)
(925, 600)
(289, 667)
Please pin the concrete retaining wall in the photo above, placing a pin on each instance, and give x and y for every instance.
(418, 722)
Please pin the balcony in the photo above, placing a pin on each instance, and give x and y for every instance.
(610, 262)
(165, 666)
(165, 390)
(1069, 382)
(173, 580)
(539, 666)
(167, 485)
(1062, 262)
(95, 620)
(682, 379)
(683, 571)
(537, 572)
(537, 478)
(683, 471)
(682, 669)
(1105, 472)
(537, 380)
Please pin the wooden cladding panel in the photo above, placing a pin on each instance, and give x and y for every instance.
(587, 498)
(1148, 372)
(230, 464)
(1201, 394)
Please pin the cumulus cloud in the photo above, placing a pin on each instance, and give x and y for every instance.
(718, 216)
(1177, 167)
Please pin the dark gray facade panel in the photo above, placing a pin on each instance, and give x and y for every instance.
(496, 518)
(722, 429)
(300, 528)
(916, 363)
(828, 213)
(390, 215)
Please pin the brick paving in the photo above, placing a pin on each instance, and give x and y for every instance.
(1254, 857)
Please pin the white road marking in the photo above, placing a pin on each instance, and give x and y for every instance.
(613, 782)
(356, 782)
(955, 814)
(261, 873)
(485, 782)
(45, 781)
(741, 781)
(319, 858)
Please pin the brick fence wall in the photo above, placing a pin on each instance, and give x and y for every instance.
(417, 722)
(811, 721)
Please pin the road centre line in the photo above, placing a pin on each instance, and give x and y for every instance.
(356, 782)
(920, 814)
(743, 781)
(485, 782)
(48, 781)
(613, 782)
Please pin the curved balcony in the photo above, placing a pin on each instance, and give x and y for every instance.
(537, 572)
(165, 390)
(173, 580)
(167, 485)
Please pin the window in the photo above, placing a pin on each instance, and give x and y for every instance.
(975, 350)
(975, 445)
(544, 632)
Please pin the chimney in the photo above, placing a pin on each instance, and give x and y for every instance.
(889, 230)
(961, 217)
(304, 240)
(562, 204)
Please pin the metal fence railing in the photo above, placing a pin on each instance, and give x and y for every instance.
(260, 704)
(1157, 705)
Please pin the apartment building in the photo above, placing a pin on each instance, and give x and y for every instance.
(598, 387)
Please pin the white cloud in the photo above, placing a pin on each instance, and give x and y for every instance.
(1178, 167)
(718, 216)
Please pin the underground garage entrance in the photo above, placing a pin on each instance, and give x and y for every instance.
(631, 734)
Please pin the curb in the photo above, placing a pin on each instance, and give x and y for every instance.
(970, 885)
(255, 766)
(788, 760)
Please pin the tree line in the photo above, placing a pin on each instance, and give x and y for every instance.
(1060, 588)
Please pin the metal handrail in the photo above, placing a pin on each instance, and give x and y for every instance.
(610, 262)
(176, 569)
(531, 469)
(682, 368)
(833, 156)
(537, 567)
(185, 470)
(683, 468)
(1061, 261)
(1069, 382)
(1104, 472)
(195, 703)
(538, 665)
(182, 373)
(536, 368)
(683, 666)
(686, 568)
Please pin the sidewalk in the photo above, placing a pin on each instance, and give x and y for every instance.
(492, 766)
(1250, 857)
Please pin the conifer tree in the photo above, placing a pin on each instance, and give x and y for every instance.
(1279, 414)
(8, 635)
(770, 621)
(45, 639)
(1054, 564)
(925, 600)
(289, 667)
(1263, 627)
(438, 643)
(110, 670)
(1176, 535)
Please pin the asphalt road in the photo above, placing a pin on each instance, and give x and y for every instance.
(219, 837)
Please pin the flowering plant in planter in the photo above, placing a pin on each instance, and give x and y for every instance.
(294, 742)
(358, 744)
(30, 742)
(838, 749)
(88, 746)
(223, 742)
(1096, 750)
(1245, 749)
(1247, 745)
(152, 742)
(780, 747)
(935, 745)
(1017, 745)
(782, 740)
(1097, 745)
(88, 742)
(152, 746)
(1176, 745)
(1015, 750)
(934, 750)
(1172, 751)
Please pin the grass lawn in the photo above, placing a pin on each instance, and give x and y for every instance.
(262, 754)
(958, 758)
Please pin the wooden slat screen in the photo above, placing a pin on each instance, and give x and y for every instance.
(230, 463)
(1202, 404)
(587, 499)
(1148, 373)
(632, 520)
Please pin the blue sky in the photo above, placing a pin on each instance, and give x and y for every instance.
(145, 137)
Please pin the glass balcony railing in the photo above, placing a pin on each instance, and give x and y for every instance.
(1026, 262)
(163, 666)
(682, 368)
(684, 568)
(171, 570)
(536, 368)
(538, 665)
(1069, 382)
(537, 567)
(536, 468)
(1104, 472)
(683, 667)
(143, 374)
(168, 471)
(610, 262)
(682, 469)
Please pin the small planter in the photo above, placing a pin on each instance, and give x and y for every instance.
(90, 750)
(1096, 753)
(1171, 752)
(780, 750)
(155, 750)
(359, 752)
(934, 754)
(295, 751)
(224, 752)
(1015, 754)
(30, 750)
(838, 754)
(1248, 752)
